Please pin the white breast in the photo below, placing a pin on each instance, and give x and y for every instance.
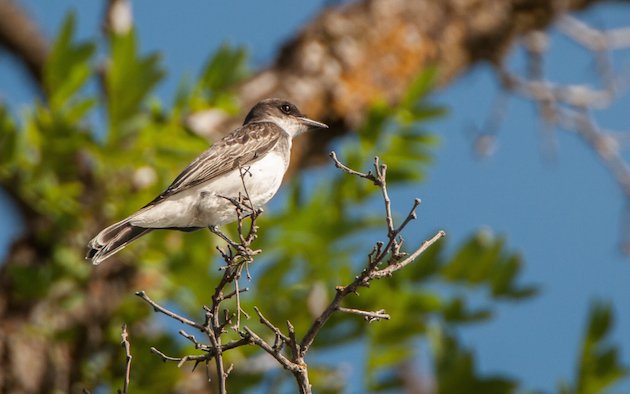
(204, 205)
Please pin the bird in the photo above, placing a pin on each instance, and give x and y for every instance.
(251, 160)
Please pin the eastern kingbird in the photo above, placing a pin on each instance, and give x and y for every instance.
(250, 160)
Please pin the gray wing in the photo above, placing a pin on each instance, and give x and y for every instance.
(243, 146)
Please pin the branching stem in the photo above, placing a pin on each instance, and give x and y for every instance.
(290, 352)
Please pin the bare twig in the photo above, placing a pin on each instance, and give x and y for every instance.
(180, 360)
(273, 328)
(233, 293)
(192, 339)
(389, 270)
(369, 316)
(381, 175)
(297, 368)
(253, 338)
(215, 230)
(367, 175)
(215, 340)
(167, 312)
(125, 343)
(296, 350)
(202, 357)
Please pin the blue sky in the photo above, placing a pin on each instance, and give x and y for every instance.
(563, 214)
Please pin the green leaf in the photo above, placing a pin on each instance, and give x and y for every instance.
(419, 87)
(8, 138)
(456, 311)
(67, 68)
(129, 78)
(224, 69)
(600, 365)
(484, 261)
(456, 370)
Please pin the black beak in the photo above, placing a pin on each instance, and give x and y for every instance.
(312, 123)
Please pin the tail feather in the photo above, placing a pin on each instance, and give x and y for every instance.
(112, 239)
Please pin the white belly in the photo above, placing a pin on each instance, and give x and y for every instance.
(204, 205)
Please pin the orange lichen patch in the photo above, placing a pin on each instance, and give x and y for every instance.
(395, 58)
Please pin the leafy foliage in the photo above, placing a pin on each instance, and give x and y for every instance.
(599, 366)
(222, 71)
(492, 267)
(128, 80)
(455, 368)
(73, 174)
(67, 70)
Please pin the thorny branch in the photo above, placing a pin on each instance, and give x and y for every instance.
(384, 260)
(572, 107)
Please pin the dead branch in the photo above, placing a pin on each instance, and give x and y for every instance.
(378, 256)
(571, 107)
(169, 313)
(384, 259)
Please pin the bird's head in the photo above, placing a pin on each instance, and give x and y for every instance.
(284, 114)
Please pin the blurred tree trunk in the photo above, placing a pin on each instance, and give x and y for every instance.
(344, 60)
(349, 57)
(21, 36)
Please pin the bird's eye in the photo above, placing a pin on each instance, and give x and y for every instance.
(286, 108)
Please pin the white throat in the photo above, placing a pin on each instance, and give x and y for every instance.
(291, 125)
